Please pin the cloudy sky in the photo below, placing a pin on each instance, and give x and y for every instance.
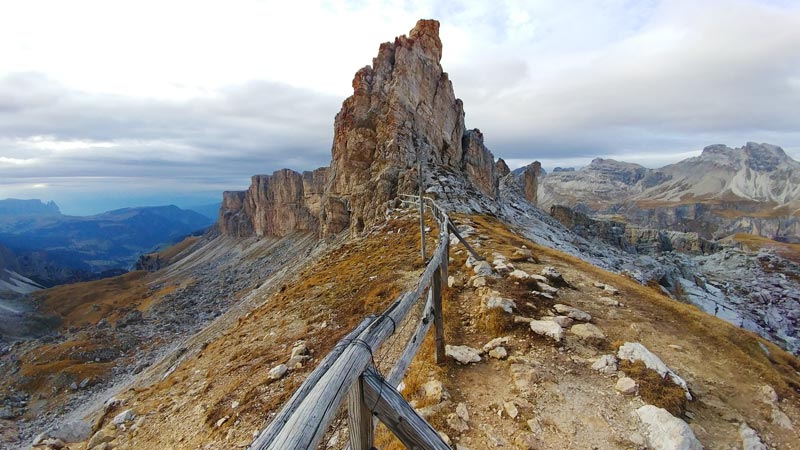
(115, 103)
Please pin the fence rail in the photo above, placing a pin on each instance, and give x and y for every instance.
(346, 373)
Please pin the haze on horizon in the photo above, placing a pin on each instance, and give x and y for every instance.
(112, 104)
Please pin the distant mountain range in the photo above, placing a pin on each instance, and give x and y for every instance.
(753, 189)
(51, 248)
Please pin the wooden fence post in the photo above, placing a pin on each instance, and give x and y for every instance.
(359, 417)
(438, 324)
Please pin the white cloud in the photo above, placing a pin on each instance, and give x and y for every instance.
(197, 94)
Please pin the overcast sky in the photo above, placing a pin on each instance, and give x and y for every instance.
(115, 103)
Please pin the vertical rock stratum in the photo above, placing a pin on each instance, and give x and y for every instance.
(403, 108)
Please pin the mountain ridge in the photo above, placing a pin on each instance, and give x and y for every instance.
(754, 188)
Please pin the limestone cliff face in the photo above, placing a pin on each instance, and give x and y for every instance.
(632, 238)
(530, 182)
(403, 108)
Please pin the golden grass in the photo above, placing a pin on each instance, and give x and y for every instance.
(81, 304)
(655, 389)
(739, 346)
(754, 242)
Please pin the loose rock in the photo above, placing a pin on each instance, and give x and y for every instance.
(626, 386)
(511, 409)
(606, 364)
(547, 328)
(665, 431)
(462, 353)
(572, 312)
(498, 353)
(496, 342)
(587, 331)
(124, 416)
(750, 439)
(277, 372)
(554, 276)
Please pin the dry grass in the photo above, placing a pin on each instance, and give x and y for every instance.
(740, 347)
(753, 242)
(81, 304)
(655, 389)
(495, 322)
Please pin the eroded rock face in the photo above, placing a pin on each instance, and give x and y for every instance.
(530, 182)
(403, 108)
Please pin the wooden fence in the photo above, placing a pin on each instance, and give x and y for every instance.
(347, 373)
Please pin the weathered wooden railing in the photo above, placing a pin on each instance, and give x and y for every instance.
(347, 372)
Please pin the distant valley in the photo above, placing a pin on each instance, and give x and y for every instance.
(39, 246)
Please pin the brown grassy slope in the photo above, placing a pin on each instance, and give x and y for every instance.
(676, 318)
(753, 242)
(327, 299)
(86, 303)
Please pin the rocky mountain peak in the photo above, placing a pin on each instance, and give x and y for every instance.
(403, 111)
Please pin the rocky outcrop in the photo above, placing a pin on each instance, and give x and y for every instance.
(752, 189)
(501, 168)
(633, 238)
(530, 182)
(403, 111)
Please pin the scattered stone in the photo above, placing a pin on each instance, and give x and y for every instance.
(84, 383)
(606, 364)
(539, 278)
(626, 386)
(102, 436)
(54, 443)
(611, 290)
(634, 351)
(299, 349)
(461, 411)
(75, 431)
(665, 431)
(519, 275)
(222, 421)
(587, 331)
(523, 253)
(506, 304)
(277, 372)
(296, 362)
(562, 321)
(511, 409)
(543, 295)
(7, 413)
(608, 301)
(446, 439)
(123, 417)
(520, 319)
(554, 276)
(496, 342)
(434, 390)
(498, 353)
(456, 423)
(547, 289)
(234, 404)
(534, 426)
(73, 386)
(572, 312)
(750, 439)
(483, 269)
(462, 353)
(494, 438)
(781, 419)
(527, 441)
(547, 328)
(454, 282)
(478, 282)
